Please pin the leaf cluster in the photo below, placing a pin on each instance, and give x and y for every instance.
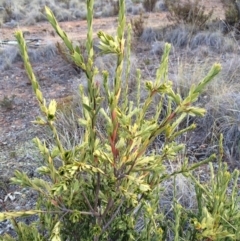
(217, 216)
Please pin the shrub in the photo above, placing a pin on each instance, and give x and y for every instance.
(7, 103)
(150, 35)
(110, 8)
(8, 55)
(232, 15)
(138, 25)
(115, 7)
(149, 5)
(188, 12)
(107, 183)
(8, 12)
(179, 36)
(218, 217)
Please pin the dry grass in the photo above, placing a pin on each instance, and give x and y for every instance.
(185, 36)
(46, 51)
(10, 54)
(63, 10)
(7, 56)
(71, 133)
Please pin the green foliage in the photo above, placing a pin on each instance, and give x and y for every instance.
(105, 186)
(24, 233)
(218, 213)
(188, 12)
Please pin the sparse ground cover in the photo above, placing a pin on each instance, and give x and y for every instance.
(194, 51)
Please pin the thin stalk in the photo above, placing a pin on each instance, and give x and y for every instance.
(117, 83)
(125, 94)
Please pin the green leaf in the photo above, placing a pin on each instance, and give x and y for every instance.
(88, 108)
(144, 187)
(10, 215)
(39, 121)
(55, 235)
(39, 95)
(82, 122)
(43, 170)
(78, 60)
(149, 85)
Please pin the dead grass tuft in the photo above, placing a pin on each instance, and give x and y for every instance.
(71, 133)
(8, 54)
(47, 51)
(179, 37)
(150, 35)
(185, 36)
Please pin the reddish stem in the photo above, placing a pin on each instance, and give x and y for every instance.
(113, 137)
